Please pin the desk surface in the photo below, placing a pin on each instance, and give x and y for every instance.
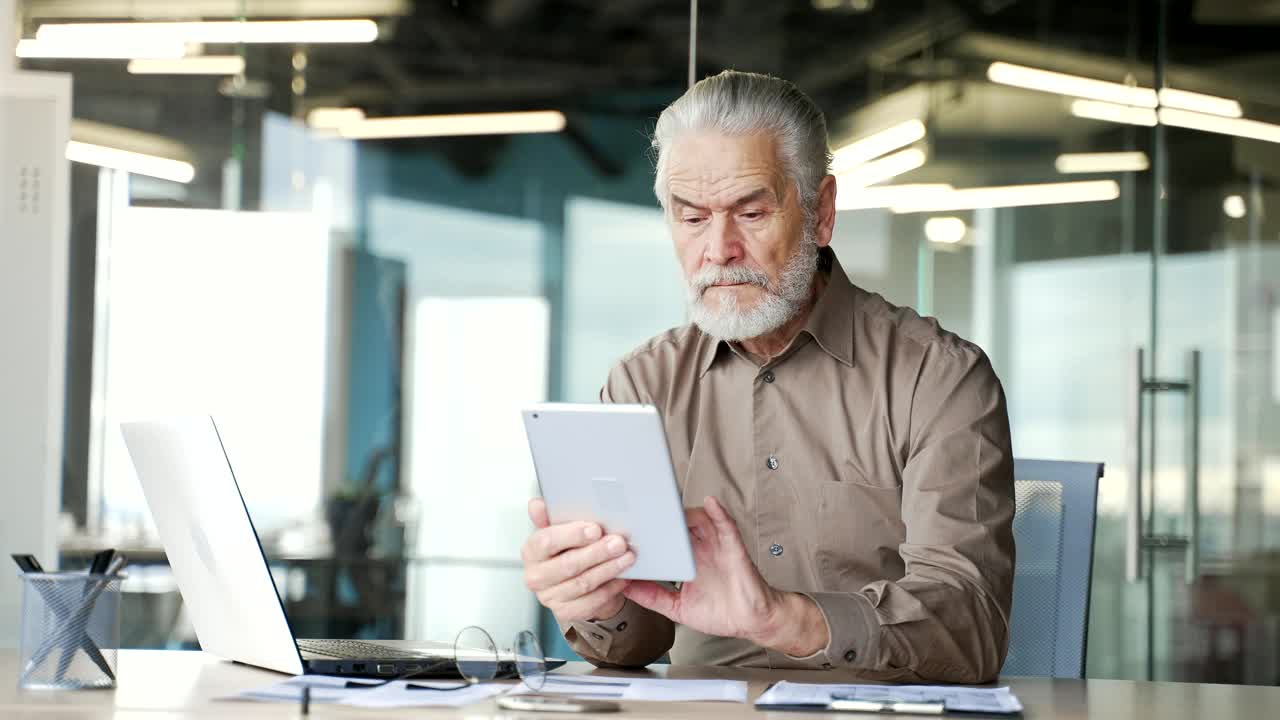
(157, 685)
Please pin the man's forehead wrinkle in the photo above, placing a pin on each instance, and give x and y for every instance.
(721, 188)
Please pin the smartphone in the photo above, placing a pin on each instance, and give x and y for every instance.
(555, 703)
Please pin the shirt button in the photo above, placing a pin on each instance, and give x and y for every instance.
(850, 656)
(769, 376)
(772, 462)
(775, 550)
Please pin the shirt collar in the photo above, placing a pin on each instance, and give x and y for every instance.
(830, 322)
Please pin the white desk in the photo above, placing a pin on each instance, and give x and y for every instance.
(158, 685)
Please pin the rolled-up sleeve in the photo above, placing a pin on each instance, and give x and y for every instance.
(947, 618)
(635, 636)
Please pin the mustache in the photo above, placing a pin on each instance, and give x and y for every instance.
(722, 274)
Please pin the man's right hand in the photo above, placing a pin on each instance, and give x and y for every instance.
(573, 569)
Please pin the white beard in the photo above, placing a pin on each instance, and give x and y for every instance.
(775, 309)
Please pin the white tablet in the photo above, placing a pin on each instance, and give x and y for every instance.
(610, 464)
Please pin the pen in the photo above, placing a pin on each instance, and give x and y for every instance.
(76, 625)
(28, 563)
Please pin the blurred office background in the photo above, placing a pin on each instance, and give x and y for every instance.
(1087, 189)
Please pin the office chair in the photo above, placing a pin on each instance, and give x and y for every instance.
(1053, 526)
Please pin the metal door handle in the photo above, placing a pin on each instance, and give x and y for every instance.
(1137, 539)
(1134, 533)
(1193, 466)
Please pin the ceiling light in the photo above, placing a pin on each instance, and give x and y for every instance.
(213, 8)
(101, 49)
(202, 65)
(876, 144)
(332, 118)
(1012, 196)
(1101, 90)
(945, 230)
(1227, 126)
(1234, 207)
(1111, 112)
(858, 6)
(878, 171)
(884, 196)
(1063, 84)
(257, 31)
(1198, 102)
(117, 159)
(509, 123)
(1102, 162)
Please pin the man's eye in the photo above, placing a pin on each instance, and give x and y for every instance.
(693, 220)
(752, 215)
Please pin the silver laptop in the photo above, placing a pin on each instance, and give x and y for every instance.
(222, 572)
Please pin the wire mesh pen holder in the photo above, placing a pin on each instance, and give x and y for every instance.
(70, 630)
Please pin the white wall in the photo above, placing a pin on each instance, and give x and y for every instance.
(219, 313)
(35, 111)
(476, 352)
(623, 285)
(474, 363)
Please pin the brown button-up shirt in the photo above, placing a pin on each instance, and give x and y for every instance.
(867, 466)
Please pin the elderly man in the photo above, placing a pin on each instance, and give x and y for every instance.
(846, 462)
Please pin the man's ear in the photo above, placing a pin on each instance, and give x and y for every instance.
(826, 210)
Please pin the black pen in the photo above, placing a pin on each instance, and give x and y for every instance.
(28, 563)
(80, 619)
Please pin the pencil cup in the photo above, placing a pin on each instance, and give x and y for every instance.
(70, 631)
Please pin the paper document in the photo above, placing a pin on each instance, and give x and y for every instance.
(372, 693)
(956, 699)
(622, 688)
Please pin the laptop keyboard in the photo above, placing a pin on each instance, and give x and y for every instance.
(356, 650)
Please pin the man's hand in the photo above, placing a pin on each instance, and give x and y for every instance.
(572, 569)
(729, 597)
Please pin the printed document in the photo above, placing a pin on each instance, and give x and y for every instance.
(956, 699)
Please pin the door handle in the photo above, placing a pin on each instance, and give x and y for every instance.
(1137, 539)
(1192, 450)
(1134, 532)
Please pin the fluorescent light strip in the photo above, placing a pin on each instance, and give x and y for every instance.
(1013, 196)
(878, 171)
(72, 9)
(1198, 102)
(333, 118)
(203, 65)
(1082, 87)
(884, 196)
(1111, 112)
(150, 165)
(1068, 163)
(264, 31)
(1063, 84)
(510, 123)
(876, 144)
(1227, 126)
(101, 49)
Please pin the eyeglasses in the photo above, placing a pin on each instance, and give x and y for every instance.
(478, 660)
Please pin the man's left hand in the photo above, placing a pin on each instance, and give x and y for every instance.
(729, 597)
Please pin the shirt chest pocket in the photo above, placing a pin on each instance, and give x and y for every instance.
(859, 528)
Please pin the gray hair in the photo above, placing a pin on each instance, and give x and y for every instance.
(740, 103)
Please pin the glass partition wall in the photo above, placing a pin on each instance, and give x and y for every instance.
(1082, 189)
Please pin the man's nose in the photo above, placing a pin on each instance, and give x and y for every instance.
(724, 245)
